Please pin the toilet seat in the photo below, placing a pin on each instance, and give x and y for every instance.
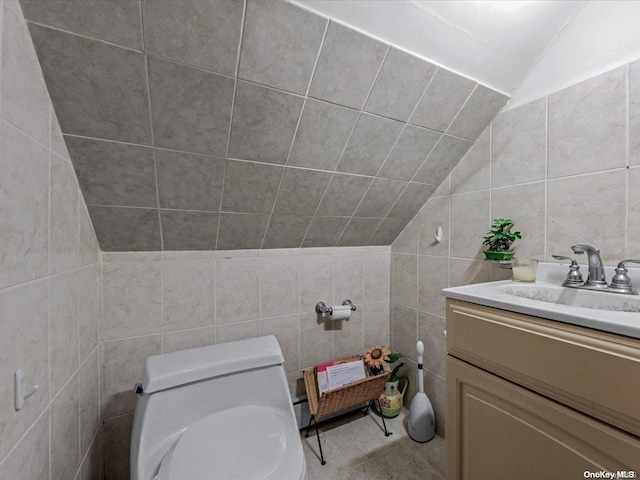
(243, 443)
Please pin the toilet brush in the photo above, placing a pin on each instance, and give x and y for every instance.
(422, 424)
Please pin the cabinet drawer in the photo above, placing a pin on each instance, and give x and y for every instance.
(595, 372)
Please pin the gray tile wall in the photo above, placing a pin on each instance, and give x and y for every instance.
(233, 125)
(559, 167)
(157, 302)
(49, 280)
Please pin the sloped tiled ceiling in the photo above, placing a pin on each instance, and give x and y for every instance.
(231, 125)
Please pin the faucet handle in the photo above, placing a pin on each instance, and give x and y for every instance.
(621, 265)
(574, 277)
(621, 281)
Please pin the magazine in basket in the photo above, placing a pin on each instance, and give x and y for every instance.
(339, 372)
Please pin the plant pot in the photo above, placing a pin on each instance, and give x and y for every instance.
(502, 256)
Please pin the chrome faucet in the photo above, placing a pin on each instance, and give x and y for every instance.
(597, 280)
(596, 277)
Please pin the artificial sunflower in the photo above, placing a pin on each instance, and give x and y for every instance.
(376, 358)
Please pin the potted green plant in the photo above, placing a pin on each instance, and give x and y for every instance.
(499, 239)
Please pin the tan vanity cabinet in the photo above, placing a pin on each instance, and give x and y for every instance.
(530, 398)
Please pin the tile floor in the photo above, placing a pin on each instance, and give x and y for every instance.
(355, 448)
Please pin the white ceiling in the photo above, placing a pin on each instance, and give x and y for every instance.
(526, 49)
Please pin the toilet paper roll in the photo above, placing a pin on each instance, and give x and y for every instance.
(340, 312)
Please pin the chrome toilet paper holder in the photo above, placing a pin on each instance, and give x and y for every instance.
(322, 308)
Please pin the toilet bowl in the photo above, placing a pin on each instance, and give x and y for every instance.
(218, 412)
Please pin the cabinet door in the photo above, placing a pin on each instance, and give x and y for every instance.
(497, 430)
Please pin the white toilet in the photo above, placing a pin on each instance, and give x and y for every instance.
(218, 412)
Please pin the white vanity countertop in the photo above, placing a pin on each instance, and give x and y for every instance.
(546, 298)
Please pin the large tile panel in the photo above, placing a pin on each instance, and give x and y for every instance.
(519, 145)
(469, 222)
(264, 123)
(63, 220)
(191, 108)
(371, 141)
(399, 85)
(343, 195)
(185, 230)
(473, 171)
(324, 231)
(237, 290)
(250, 187)
(322, 135)
(280, 45)
(301, 191)
(65, 426)
(442, 99)
(189, 182)
(587, 209)
(407, 155)
(122, 366)
(411, 200)
(358, 232)
(241, 230)
(587, 125)
(114, 21)
(286, 231)
(203, 34)
(24, 341)
(24, 218)
(23, 94)
(347, 67)
(442, 159)
(132, 303)
(634, 113)
(113, 173)
(98, 90)
(481, 107)
(29, 460)
(525, 205)
(126, 229)
(63, 329)
(380, 197)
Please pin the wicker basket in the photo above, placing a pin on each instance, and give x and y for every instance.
(342, 398)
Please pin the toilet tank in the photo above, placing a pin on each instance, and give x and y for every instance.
(183, 387)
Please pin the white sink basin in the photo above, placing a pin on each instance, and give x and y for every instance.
(546, 298)
(574, 297)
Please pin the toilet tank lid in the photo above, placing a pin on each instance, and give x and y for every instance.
(186, 366)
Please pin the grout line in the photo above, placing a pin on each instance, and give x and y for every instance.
(231, 158)
(235, 77)
(490, 127)
(153, 141)
(162, 325)
(464, 104)
(2, 14)
(86, 37)
(306, 95)
(546, 179)
(375, 79)
(273, 207)
(433, 75)
(220, 211)
(242, 24)
(628, 159)
(293, 139)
